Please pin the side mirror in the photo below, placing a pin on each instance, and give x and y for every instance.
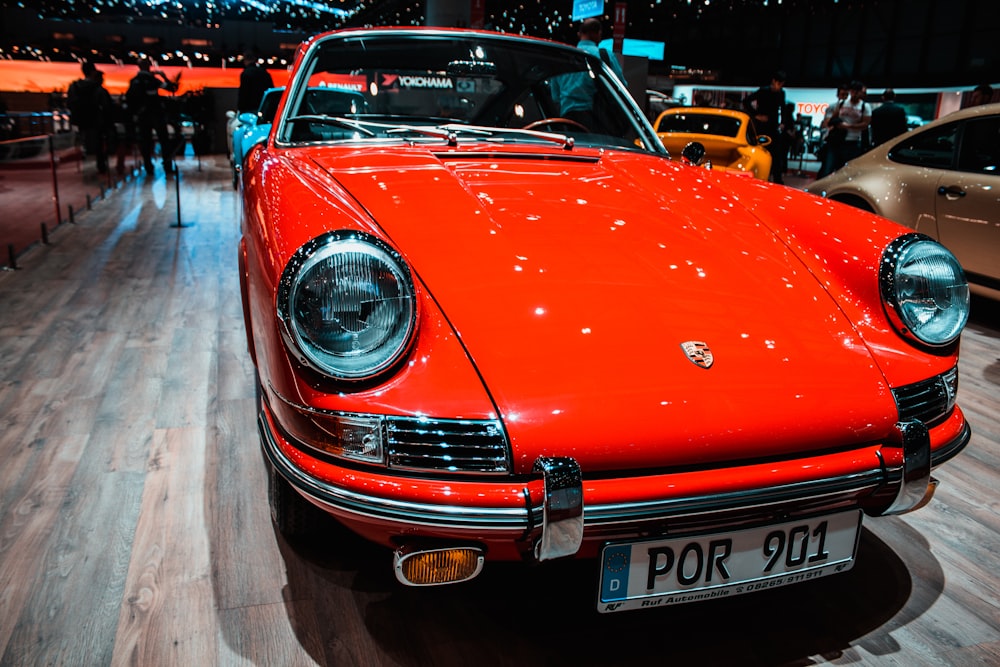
(693, 154)
(764, 140)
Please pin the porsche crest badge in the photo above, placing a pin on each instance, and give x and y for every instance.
(698, 353)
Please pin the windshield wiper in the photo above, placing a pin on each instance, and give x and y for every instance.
(565, 140)
(448, 132)
(334, 120)
(445, 132)
(451, 131)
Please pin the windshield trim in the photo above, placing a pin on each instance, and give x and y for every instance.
(647, 137)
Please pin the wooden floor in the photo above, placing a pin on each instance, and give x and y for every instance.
(134, 527)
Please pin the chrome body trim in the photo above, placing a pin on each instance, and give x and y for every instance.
(446, 446)
(928, 401)
(531, 516)
(601, 515)
(493, 518)
(429, 445)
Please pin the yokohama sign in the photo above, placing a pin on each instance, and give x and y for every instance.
(416, 81)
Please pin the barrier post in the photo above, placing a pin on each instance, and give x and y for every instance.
(177, 192)
(55, 177)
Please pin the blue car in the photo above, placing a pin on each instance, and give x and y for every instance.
(253, 128)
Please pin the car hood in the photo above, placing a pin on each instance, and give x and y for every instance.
(582, 286)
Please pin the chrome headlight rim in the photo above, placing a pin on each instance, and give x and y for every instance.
(898, 309)
(310, 256)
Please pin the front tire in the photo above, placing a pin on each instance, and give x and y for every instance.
(294, 517)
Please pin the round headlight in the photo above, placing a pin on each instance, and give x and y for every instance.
(348, 305)
(924, 289)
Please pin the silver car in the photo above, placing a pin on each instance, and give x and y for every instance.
(941, 179)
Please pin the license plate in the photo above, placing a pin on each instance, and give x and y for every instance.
(703, 567)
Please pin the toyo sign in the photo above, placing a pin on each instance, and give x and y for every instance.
(584, 9)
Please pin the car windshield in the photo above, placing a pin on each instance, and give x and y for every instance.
(440, 86)
(699, 123)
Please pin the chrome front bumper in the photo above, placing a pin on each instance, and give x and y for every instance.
(558, 519)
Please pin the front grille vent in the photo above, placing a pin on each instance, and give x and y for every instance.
(928, 401)
(439, 445)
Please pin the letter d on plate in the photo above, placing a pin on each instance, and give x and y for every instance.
(614, 582)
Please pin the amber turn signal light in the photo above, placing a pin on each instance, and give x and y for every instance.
(415, 566)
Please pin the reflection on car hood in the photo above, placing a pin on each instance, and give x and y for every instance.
(574, 279)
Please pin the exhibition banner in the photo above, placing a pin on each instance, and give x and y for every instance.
(47, 77)
(584, 9)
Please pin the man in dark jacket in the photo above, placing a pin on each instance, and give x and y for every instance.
(254, 82)
(765, 106)
(888, 120)
(146, 106)
(90, 110)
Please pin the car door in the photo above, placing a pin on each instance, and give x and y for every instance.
(968, 199)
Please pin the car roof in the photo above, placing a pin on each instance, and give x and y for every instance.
(962, 114)
(418, 31)
(714, 111)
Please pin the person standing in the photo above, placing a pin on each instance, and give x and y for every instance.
(832, 134)
(765, 106)
(847, 137)
(146, 106)
(90, 109)
(254, 82)
(888, 119)
(857, 116)
(575, 92)
(6, 123)
(981, 94)
(783, 143)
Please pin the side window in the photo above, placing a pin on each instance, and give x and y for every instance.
(932, 148)
(980, 151)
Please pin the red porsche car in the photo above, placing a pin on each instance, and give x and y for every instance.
(490, 324)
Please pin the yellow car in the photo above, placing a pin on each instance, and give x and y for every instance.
(730, 140)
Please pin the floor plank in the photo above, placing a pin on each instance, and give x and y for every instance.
(167, 614)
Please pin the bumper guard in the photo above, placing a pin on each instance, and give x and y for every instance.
(562, 523)
(915, 482)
